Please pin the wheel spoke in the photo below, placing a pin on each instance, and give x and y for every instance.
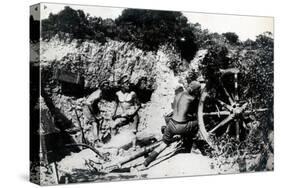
(237, 130)
(225, 121)
(220, 113)
(227, 94)
(224, 104)
(256, 110)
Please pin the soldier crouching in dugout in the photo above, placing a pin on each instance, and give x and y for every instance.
(182, 121)
(91, 112)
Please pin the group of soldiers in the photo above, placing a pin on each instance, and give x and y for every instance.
(125, 112)
(181, 121)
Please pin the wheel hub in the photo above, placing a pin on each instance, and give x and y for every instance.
(238, 109)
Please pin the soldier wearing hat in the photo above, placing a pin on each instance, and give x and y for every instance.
(126, 109)
(182, 121)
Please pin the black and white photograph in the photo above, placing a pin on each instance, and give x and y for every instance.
(132, 94)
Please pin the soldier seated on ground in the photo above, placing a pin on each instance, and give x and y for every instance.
(126, 109)
(91, 112)
(182, 120)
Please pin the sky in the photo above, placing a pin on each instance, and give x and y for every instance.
(244, 26)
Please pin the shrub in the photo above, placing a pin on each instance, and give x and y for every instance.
(231, 37)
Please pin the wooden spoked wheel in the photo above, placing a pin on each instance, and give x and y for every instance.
(223, 112)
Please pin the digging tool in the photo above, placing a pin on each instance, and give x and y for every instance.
(79, 123)
(117, 165)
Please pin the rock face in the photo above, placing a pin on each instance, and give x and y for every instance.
(97, 62)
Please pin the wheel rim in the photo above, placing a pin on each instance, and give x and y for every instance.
(226, 114)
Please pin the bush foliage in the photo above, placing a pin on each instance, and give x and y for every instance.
(231, 37)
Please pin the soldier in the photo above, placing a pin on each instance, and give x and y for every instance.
(182, 122)
(129, 105)
(91, 111)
